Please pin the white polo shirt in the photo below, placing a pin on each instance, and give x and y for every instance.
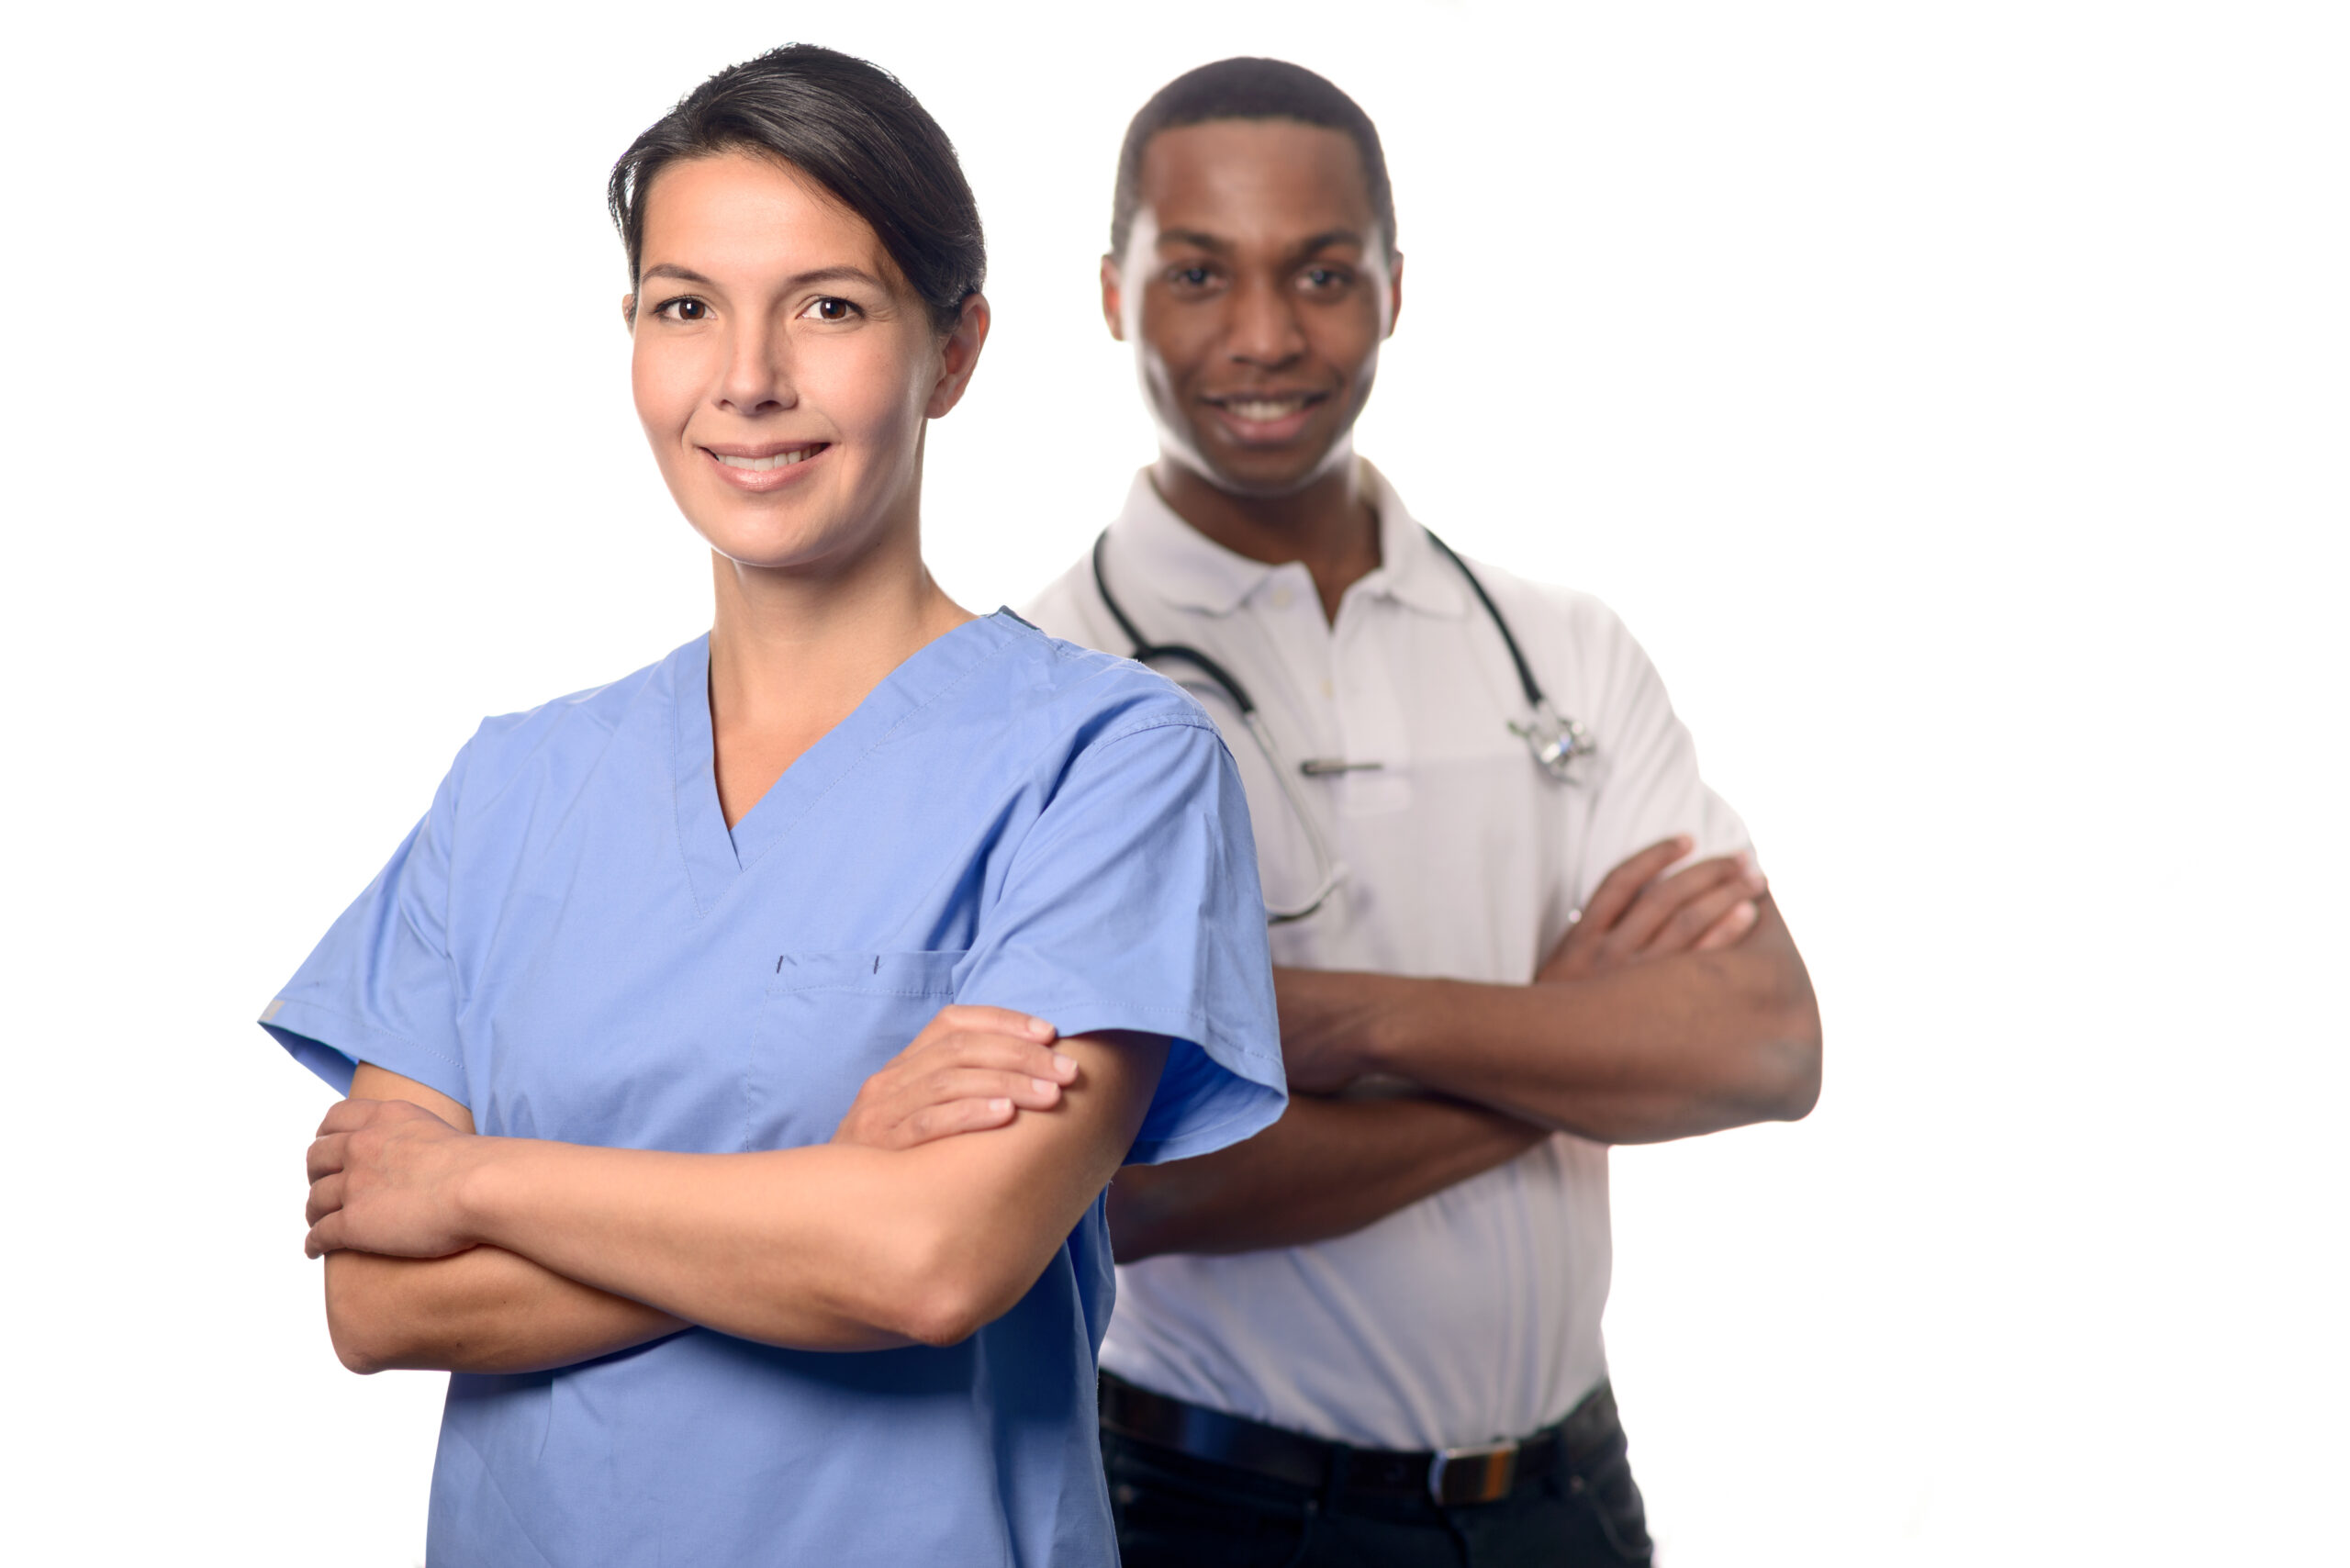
(1472, 1316)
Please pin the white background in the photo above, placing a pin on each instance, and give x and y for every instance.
(1952, 396)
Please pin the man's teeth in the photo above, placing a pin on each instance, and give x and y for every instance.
(761, 465)
(1258, 410)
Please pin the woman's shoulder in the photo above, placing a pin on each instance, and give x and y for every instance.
(576, 728)
(1096, 695)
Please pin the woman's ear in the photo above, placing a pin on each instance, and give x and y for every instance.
(958, 356)
(628, 311)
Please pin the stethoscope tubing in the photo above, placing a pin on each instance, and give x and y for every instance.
(1565, 743)
(1147, 651)
(1534, 698)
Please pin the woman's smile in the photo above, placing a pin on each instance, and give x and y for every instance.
(767, 467)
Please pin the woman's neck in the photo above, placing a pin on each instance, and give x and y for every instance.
(793, 653)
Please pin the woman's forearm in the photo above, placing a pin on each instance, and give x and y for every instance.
(836, 1247)
(829, 1247)
(486, 1310)
(817, 1249)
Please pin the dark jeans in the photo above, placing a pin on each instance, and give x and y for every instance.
(1174, 1511)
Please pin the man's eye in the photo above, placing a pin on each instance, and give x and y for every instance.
(829, 309)
(1325, 277)
(683, 309)
(1191, 278)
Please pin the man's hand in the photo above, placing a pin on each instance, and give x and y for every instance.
(384, 1176)
(969, 1070)
(1637, 912)
(1329, 1018)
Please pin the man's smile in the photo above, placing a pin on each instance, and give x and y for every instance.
(1265, 416)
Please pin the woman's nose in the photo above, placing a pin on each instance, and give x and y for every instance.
(757, 376)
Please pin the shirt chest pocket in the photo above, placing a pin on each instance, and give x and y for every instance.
(829, 1022)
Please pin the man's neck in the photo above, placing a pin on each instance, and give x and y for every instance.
(1331, 525)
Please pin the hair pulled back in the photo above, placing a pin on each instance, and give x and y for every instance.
(849, 126)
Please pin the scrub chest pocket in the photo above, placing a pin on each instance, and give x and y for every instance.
(830, 1022)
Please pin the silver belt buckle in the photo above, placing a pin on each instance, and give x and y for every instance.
(1481, 1474)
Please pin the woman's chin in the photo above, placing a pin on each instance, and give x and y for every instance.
(775, 544)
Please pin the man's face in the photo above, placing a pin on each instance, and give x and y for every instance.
(1255, 288)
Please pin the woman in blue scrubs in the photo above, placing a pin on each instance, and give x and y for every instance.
(738, 1051)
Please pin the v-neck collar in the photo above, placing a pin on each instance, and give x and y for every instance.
(715, 856)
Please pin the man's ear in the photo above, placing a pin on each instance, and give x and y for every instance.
(628, 311)
(1114, 298)
(1394, 292)
(958, 356)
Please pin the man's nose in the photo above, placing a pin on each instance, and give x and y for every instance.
(1264, 329)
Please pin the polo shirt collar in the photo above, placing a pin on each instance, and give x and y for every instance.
(1412, 570)
(1185, 568)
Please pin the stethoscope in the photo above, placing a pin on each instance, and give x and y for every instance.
(1555, 740)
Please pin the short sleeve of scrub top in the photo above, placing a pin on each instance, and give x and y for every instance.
(381, 985)
(574, 945)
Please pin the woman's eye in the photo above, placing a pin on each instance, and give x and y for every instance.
(683, 311)
(831, 310)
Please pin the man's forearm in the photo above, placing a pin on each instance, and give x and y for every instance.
(1670, 1048)
(1328, 1168)
(481, 1311)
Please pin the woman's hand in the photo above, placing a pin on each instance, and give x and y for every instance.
(384, 1176)
(969, 1070)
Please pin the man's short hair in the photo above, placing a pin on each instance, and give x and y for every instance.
(1249, 88)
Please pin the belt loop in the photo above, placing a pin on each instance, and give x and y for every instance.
(1334, 1485)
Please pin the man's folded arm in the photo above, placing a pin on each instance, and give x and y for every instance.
(1690, 1042)
(1326, 1169)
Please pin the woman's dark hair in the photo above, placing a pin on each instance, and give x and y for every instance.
(849, 126)
(1249, 88)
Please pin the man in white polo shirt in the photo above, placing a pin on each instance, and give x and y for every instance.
(1371, 1335)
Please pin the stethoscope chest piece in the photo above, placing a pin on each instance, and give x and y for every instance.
(1558, 743)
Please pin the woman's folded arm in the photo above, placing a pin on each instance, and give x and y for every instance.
(834, 1246)
(482, 1310)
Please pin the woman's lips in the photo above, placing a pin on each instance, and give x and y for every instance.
(757, 472)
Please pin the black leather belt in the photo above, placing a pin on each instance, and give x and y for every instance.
(1448, 1477)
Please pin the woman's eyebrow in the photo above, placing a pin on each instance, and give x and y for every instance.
(842, 274)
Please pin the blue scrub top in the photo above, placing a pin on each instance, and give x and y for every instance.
(573, 945)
